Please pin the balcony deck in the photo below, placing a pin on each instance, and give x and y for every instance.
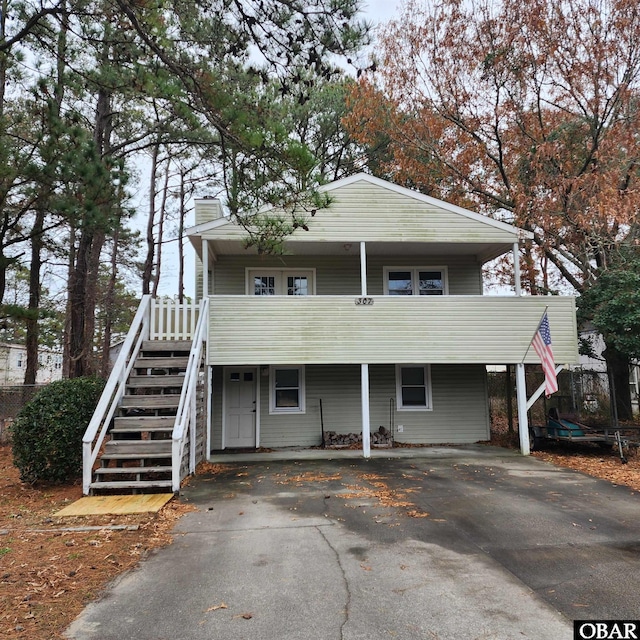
(336, 329)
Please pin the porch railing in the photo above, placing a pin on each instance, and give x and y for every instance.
(114, 390)
(171, 320)
(185, 426)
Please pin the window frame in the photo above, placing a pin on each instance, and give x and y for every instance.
(280, 276)
(301, 408)
(415, 278)
(427, 386)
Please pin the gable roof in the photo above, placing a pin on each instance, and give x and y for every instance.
(367, 209)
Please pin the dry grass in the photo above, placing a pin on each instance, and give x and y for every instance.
(48, 575)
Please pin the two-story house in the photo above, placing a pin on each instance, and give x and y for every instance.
(376, 312)
(374, 316)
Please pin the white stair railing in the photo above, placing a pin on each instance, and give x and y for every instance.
(113, 391)
(185, 425)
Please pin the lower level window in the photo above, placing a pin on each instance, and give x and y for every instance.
(413, 387)
(286, 393)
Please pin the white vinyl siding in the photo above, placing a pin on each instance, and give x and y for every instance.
(430, 329)
(460, 411)
(362, 212)
(339, 389)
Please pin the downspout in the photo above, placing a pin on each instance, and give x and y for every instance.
(364, 368)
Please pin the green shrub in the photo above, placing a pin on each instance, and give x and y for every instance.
(47, 433)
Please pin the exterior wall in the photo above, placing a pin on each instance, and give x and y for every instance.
(368, 212)
(460, 411)
(340, 275)
(432, 329)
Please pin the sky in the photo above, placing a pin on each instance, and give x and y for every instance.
(375, 11)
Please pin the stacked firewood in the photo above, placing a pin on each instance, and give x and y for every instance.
(381, 437)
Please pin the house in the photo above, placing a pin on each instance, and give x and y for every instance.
(13, 364)
(374, 316)
(593, 372)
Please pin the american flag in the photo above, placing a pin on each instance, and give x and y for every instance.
(542, 345)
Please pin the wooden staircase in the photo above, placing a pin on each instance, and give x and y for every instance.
(137, 457)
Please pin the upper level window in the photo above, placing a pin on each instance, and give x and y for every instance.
(285, 282)
(415, 281)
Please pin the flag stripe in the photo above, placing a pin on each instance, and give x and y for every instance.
(542, 346)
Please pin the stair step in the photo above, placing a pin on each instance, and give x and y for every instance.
(131, 424)
(133, 456)
(141, 448)
(161, 362)
(132, 484)
(165, 401)
(155, 381)
(125, 470)
(167, 345)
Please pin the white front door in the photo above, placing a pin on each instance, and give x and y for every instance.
(240, 406)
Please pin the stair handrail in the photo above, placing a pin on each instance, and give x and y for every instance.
(114, 390)
(185, 415)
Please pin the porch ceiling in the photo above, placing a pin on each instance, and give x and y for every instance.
(482, 251)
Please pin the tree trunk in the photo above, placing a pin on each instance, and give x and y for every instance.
(108, 304)
(147, 272)
(163, 215)
(181, 217)
(32, 325)
(83, 280)
(618, 369)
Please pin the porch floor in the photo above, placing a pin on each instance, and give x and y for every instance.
(300, 453)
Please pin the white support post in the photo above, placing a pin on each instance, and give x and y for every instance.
(366, 426)
(366, 420)
(209, 392)
(516, 268)
(193, 430)
(363, 269)
(523, 423)
(205, 268)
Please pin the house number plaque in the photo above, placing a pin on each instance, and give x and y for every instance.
(363, 300)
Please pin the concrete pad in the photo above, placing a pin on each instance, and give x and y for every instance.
(303, 549)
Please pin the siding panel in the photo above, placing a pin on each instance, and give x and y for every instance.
(437, 330)
(460, 412)
(372, 213)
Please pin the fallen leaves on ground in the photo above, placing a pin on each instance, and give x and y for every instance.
(597, 463)
(48, 576)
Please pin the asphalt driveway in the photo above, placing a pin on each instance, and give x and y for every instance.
(441, 543)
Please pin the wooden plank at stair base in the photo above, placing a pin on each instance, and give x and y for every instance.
(167, 345)
(155, 381)
(116, 505)
(166, 401)
(141, 448)
(161, 362)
